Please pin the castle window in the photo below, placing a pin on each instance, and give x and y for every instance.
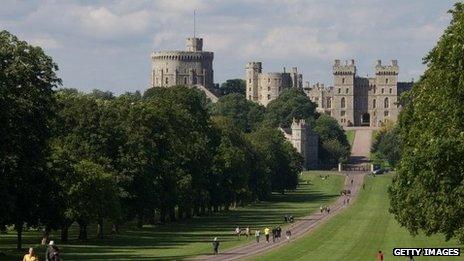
(249, 80)
(329, 103)
(386, 114)
(268, 96)
(167, 70)
(268, 80)
(185, 80)
(249, 89)
(347, 90)
(375, 88)
(342, 113)
(342, 103)
(268, 88)
(386, 80)
(249, 97)
(343, 80)
(374, 104)
(167, 80)
(390, 90)
(385, 103)
(339, 90)
(382, 90)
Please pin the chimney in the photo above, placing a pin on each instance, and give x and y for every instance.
(379, 62)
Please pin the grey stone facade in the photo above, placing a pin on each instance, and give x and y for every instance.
(360, 101)
(264, 87)
(305, 141)
(191, 67)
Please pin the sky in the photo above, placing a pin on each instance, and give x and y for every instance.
(107, 44)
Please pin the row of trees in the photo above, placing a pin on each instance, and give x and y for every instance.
(386, 146)
(71, 157)
(291, 104)
(427, 195)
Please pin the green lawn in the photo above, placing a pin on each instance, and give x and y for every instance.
(189, 238)
(350, 136)
(359, 232)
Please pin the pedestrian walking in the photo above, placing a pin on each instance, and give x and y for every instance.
(348, 200)
(288, 234)
(53, 252)
(321, 208)
(257, 235)
(380, 256)
(266, 234)
(247, 232)
(31, 255)
(237, 232)
(216, 246)
(328, 210)
(273, 235)
(351, 182)
(278, 232)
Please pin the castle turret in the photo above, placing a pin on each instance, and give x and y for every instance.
(299, 133)
(253, 69)
(194, 44)
(344, 82)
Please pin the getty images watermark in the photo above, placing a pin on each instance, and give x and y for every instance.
(426, 251)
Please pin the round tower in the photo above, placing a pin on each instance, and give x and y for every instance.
(253, 69)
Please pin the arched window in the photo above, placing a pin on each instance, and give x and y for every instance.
(329, 103)
(374, 104)
(342, 102)
(343, 80)
(385, 103)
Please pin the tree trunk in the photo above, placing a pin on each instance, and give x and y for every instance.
(46, 235)
(163, 215)
(139, 221)
(100, 229)
(64, 232)
(19, 230)
(82, 231)
(172, 214)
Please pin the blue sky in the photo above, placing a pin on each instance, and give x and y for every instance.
(107, 44)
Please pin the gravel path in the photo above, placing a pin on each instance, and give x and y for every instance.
(301, 227)
(361, 146)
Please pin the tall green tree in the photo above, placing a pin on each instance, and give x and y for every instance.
(291, 104)
(428, 192)
(334, 146)
(233, 86)
(246, 115)
(27, 79)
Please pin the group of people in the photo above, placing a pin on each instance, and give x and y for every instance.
(325, 209)
(52, 253)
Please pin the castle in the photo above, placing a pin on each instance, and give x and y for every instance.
(361, 101)
(189, 68)
(305, 141)
(265, 87)
(352, 100)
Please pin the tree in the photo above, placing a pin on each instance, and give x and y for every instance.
(93, 196)
(279, 161)
(233, 86)
(386, 145)
(291, 104)
(246, 115)
(428, 192)
(27, 79)
(334, 146)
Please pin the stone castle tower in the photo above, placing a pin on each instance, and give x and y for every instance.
(361, 101)
(305, 141)
(191, 67)
(265, 87)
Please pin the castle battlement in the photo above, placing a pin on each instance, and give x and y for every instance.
(391, 69)
(344, 69)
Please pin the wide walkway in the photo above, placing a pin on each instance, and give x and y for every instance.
(361, 146)
(300, 228)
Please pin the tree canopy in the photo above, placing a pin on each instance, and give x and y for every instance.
(291, 104)
(428, 191)
(233, 86)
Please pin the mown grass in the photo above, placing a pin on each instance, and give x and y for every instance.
(359, 232)
(350, 136)
(188, 238)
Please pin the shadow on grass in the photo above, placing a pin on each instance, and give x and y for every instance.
(145, 243)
